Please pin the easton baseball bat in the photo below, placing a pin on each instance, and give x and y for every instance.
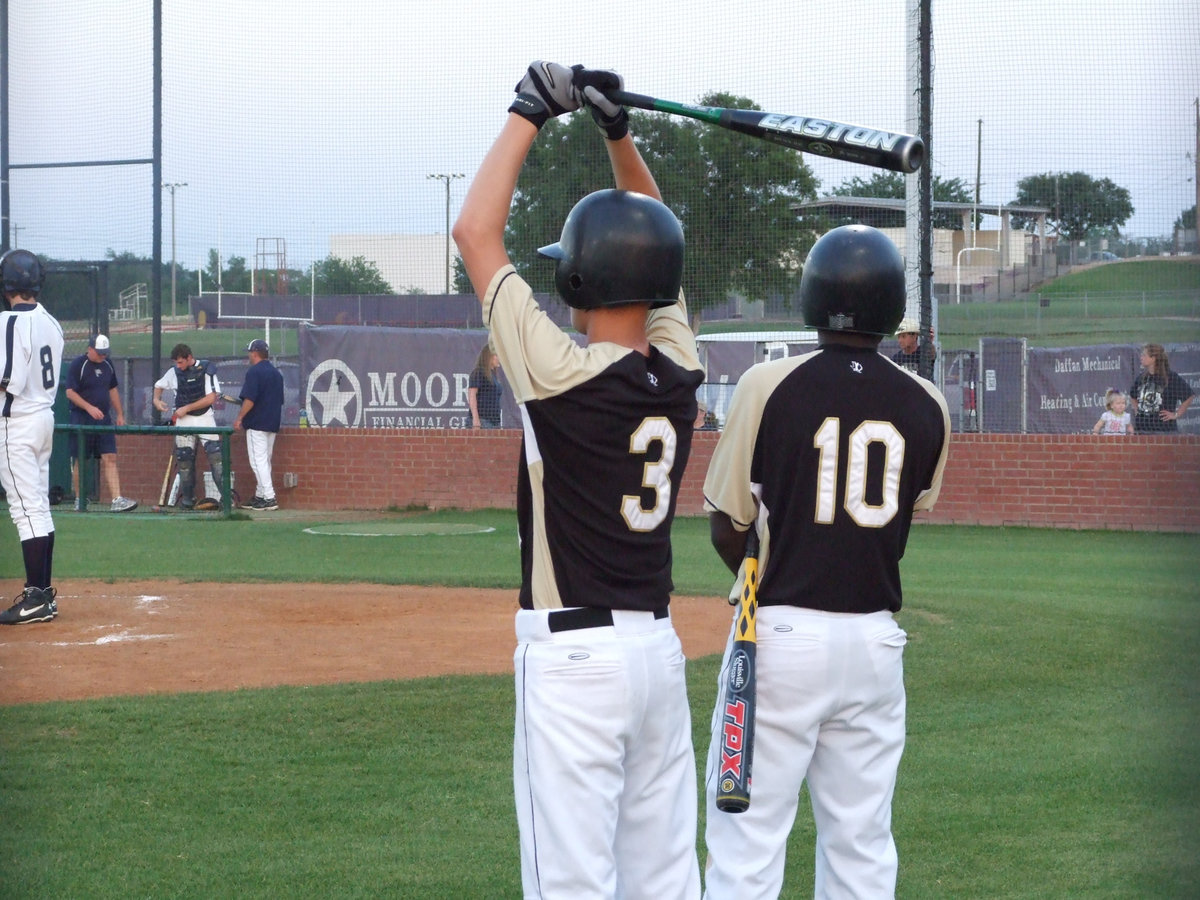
(824, 137)
(737, 724)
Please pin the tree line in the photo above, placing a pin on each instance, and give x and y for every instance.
(738, 201)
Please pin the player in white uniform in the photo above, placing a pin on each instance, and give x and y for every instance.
(31, 348)
(826, 455)
(603, 765)
(196, 388)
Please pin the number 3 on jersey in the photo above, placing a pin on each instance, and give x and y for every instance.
(826, 442)
(656, 475)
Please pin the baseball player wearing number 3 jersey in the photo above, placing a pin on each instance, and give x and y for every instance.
(826, 455)
(31, 347)
(603, 766)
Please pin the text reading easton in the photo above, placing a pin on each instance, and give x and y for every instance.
(819, 129)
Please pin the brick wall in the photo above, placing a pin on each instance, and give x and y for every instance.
(1065, 481)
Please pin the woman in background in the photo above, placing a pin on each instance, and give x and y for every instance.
(1158, 396)
(484, 390)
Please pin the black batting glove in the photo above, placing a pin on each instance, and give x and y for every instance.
(546, 90)
(610, 117)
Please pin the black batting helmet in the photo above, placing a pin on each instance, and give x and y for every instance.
(618, 247)
(21, 272)
(853, 281)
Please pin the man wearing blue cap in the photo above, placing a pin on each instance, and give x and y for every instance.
(262, 408)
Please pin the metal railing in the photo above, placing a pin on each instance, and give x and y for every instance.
(223, 433)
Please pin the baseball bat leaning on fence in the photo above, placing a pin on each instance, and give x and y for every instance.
(824, 137)
(737, 725)
(166, 482)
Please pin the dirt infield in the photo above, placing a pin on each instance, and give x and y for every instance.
(169, 636)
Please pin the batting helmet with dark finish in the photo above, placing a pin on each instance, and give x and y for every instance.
(21, 272)
(853, 281)
(618, 247)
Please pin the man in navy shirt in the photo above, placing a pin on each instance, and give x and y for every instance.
(262, 406)
(95, 400)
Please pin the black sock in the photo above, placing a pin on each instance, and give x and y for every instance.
(47, 576)
(34, 551)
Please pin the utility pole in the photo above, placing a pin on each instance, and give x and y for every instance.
(1196, 177)
(978, 169)
(447, 178)
(171, 187)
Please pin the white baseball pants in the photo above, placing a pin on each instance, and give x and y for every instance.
(25, 445)
(830, 709)
(603, 766)
(259, 447)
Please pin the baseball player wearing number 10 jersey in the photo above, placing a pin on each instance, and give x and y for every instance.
(31, 347)
(826, 455)
(603, 766)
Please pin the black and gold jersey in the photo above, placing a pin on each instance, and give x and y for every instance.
(607, 435)
(830, 453)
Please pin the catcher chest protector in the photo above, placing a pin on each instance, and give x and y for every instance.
(190, 385)
(853, 281)
(618, 247)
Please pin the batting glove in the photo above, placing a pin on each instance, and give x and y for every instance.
(612, 118)
(547, 90)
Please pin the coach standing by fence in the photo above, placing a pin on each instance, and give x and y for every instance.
(260, 417)
(95, 400)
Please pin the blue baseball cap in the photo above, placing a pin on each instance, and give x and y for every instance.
(100, 344)
(258, 345)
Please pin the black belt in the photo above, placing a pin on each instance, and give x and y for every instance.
(588, 617)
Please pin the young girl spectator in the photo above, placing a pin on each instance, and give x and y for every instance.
(1115, 419)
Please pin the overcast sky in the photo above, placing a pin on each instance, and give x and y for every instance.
(306, 119)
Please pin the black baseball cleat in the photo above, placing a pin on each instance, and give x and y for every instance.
(34, 605)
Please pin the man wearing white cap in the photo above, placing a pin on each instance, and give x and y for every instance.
(95, 400)
(909, 354)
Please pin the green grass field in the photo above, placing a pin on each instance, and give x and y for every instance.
(1053, 713)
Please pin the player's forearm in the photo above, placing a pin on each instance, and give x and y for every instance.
(729, 543)
(630, 172)
(479, 230)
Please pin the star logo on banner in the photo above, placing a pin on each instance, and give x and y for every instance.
(332, 390)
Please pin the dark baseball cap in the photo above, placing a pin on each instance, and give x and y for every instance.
(100, 344)
(258, 345)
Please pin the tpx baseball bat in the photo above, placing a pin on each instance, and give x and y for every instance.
(824, 137)
(737, 725)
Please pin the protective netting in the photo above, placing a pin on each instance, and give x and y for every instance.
(315, 150)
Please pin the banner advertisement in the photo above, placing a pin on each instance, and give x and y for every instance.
(361, 377)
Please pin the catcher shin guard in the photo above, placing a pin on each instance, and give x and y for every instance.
(212, 449)
(186, 457)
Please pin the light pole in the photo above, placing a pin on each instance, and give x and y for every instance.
(171, 187)
(447, 179)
